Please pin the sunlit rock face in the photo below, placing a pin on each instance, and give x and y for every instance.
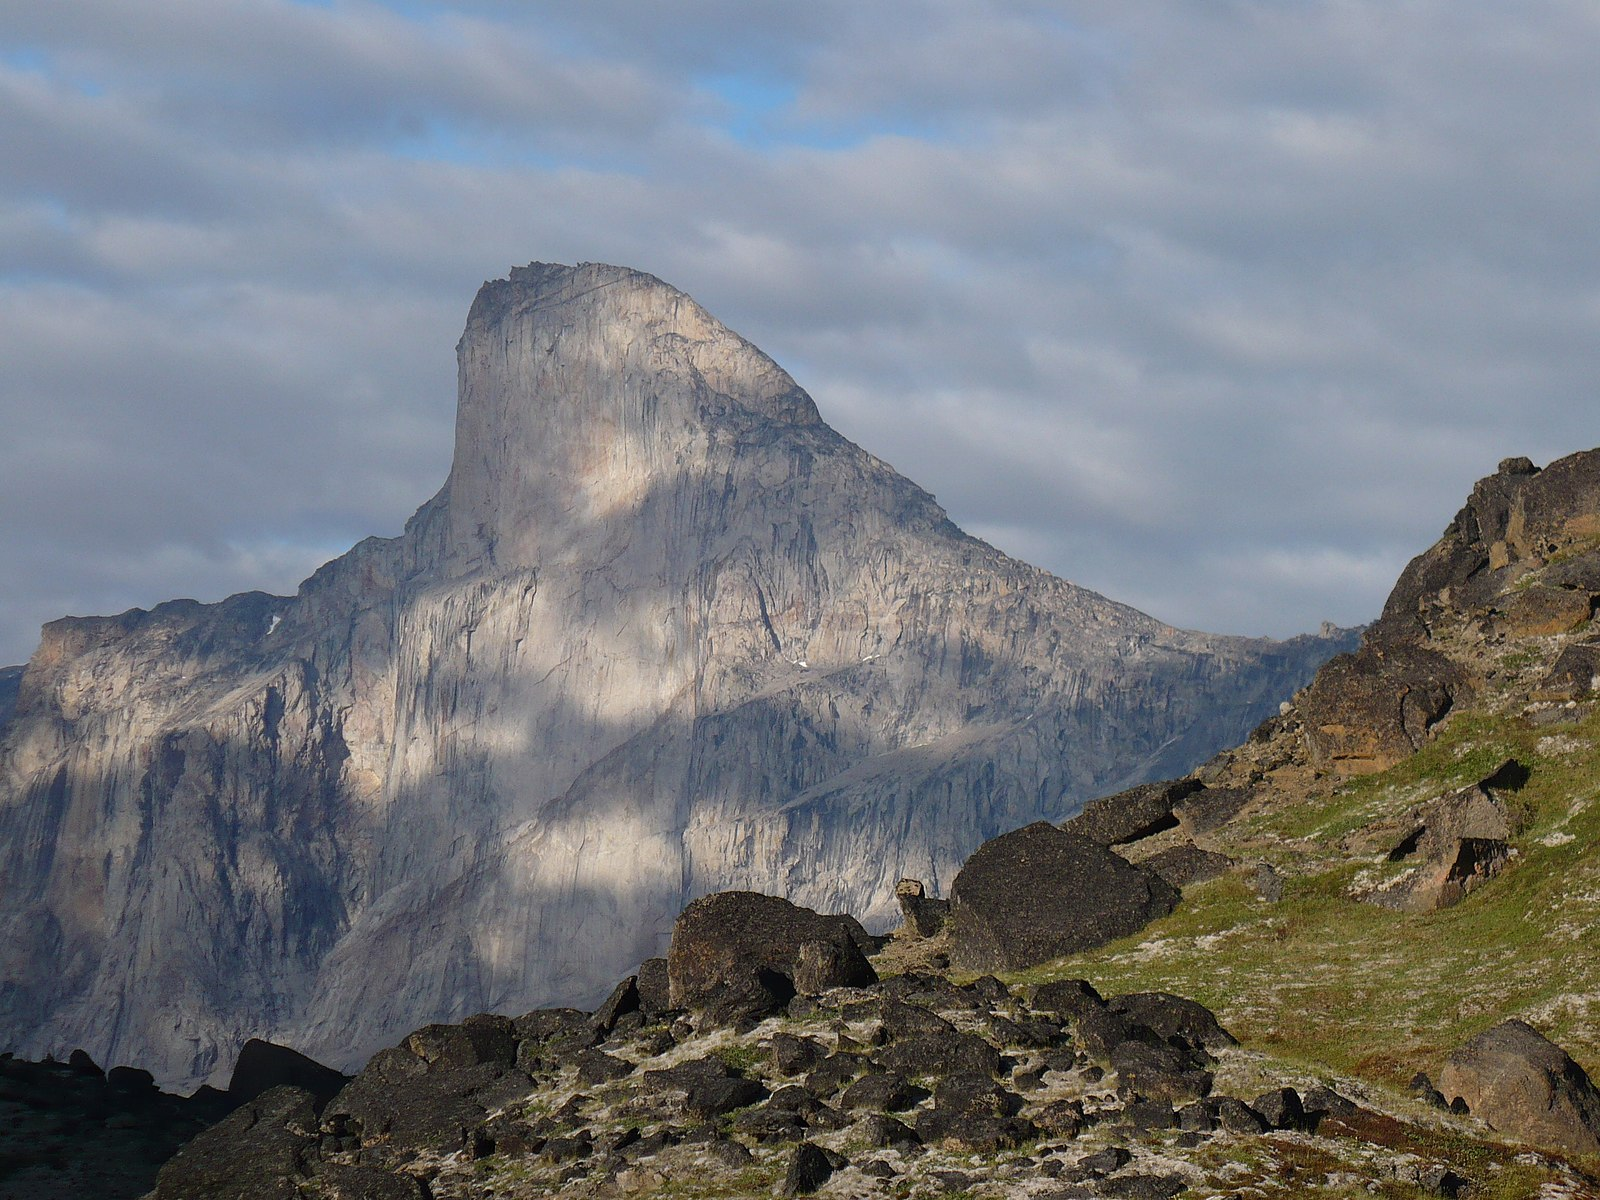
(662, 632)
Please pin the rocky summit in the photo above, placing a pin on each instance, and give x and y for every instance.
(662, 633)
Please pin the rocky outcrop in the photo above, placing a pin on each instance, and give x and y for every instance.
(1522, 1084)
(857, 1087)
(1450, 846)
(1521, 560)
(1040, 893)
(738, 954)
(70, 1130)
(662, 633)
(1368, 710)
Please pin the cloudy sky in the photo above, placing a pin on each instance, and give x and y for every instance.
(1216, 306)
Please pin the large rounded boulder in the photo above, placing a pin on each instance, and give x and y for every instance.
(1040, 892)
(748, 953)
(1522, 1084)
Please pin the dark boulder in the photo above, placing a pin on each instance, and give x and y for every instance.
(1207, 808)
(1322, 1101)
(1130, 816)
(81, 1064)
(1100, 1031)
(624, 999)
(655, 991)
(1525, 1086)
(882, 1091)
(792, 1055)
(1039, 893)
(708, 1086)
(257, 1153)
(1063, 1118)
(1159, 1072)
(403, 1105)
(1281, 1108)
(265, 1065)
(738, 952)
(974, 1093)
(902, 1020)
(935, 1055)
(479, 1040)
(1175, 1017)
(809, 1169)
(1235, 1116)
(882, 1132)
(1066, 997)
(821, 965)
(597, 1067)
(1182, 865)
(131, 1081)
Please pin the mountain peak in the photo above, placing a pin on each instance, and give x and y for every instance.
(584, 389)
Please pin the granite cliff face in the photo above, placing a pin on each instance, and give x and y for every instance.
(662, 632)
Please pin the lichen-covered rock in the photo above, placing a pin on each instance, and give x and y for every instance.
(1039, 893)
(732, 940)
(1541, 611)
(1525, 1086)
(1366, 711)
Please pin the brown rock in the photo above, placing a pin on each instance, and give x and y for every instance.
(1522, 1084)
(924, 915)
(1539, 611)
(1366, 711)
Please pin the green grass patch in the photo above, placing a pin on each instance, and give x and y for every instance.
(1321, 979)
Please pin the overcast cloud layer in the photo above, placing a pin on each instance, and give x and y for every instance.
(1216, 306)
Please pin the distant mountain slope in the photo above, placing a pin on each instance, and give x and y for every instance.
(10, 681)
(662, 632)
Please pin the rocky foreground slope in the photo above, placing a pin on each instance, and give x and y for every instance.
(662, 632)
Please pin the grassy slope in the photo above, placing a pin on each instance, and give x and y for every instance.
(1322, 980)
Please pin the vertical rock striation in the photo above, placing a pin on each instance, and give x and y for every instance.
(662, 632)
